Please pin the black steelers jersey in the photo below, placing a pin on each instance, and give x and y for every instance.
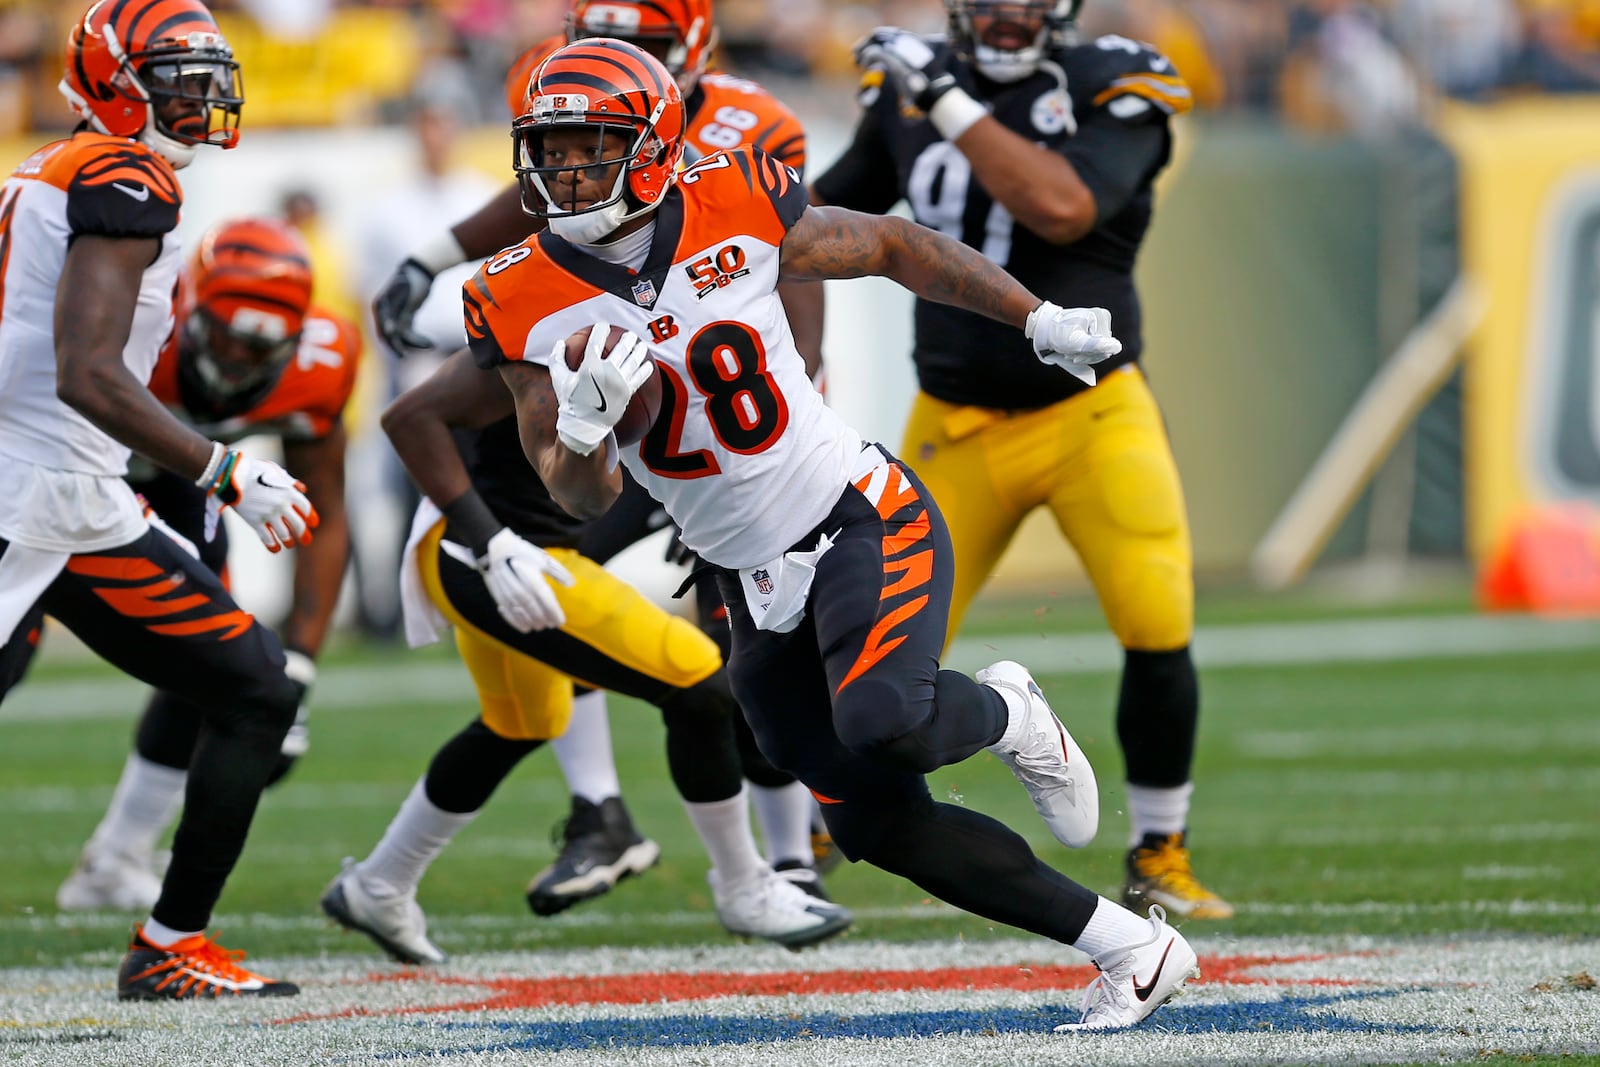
(502, 475)
(1102, 105)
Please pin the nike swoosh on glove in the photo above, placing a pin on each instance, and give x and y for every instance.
(919, 75)
(518, 575)
(592, 398)
(394, 309)
(1072, 338)
(267, 497)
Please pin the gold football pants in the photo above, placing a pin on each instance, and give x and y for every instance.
(1101, 462)
(614, 638)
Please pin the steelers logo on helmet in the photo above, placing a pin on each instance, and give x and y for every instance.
(679, 33)
(156, 70)
(1008, 39)
(248, 290)
(600, 138)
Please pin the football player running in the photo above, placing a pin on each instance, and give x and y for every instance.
(87, 265)
(599, 841)
(249, 355)
(1041, 153)
(831, 557)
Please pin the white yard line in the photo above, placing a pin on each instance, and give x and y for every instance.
(1234, 645)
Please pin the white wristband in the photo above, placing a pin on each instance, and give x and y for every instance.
(440, 252)
(954, 113)
(299, 667)
(218, 452)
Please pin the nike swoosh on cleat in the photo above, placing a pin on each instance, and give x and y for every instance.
(599, 393)
(141, 194)
(1143, 991)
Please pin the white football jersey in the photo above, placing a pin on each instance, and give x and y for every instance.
(744, 454)
(88, 184)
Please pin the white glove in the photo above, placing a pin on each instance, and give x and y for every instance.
(593, 397)
(918, 74)
(264, 495)
(1072, 338)
(516, 573)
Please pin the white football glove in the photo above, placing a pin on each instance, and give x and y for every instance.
(593, 397)
(264, 495)
(919, 75)
(518, 575)
(1072, 338)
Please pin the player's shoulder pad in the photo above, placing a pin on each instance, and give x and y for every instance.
(1130, 79)
(115, 187)
(491, 297)
(726, 181)
(777, 130)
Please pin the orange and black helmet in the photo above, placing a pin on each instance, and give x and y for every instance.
(599, 87)
(677, 32)
(247, 292)
(156, 70)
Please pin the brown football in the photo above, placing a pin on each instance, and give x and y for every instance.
(642, 409)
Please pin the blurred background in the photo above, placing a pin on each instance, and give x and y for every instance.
(1370, 291)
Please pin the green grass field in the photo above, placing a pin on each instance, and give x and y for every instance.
(1449, 795)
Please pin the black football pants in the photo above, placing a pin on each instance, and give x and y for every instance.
(156, 613)
(854, 704)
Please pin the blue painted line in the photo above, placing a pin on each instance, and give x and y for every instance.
(1306, 1015)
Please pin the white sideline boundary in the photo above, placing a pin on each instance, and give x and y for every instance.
(1358, 640)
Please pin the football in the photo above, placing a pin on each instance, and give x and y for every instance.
(642, 409)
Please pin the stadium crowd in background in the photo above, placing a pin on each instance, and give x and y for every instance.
(1312, 59)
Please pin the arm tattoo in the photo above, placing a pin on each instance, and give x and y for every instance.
(942, 269)
(829, 242)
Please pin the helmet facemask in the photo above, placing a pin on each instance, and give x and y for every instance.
(563, 150)
(1015, 42)
(164, 77)
(236, 363)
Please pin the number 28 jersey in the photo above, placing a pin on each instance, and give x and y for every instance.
(744, 454)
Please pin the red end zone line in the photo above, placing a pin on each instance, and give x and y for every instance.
(512, 993)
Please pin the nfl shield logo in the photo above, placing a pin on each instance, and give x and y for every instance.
(644, 292)
(763, 582)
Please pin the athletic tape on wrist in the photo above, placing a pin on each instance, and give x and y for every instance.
(440, 252)
(954, 113)
(218, 452)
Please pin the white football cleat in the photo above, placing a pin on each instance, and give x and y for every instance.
(110, 881)
(1136, 980)
(395, 923)
(1045, 758)
(769, 906)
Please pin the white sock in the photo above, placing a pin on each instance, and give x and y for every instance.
(418, 833)
(584, 751)
(161, 935)
(1154, 810)
(724, 829)
(785, 817)
(147, 797)
(1016, 714)
(1111, 927)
